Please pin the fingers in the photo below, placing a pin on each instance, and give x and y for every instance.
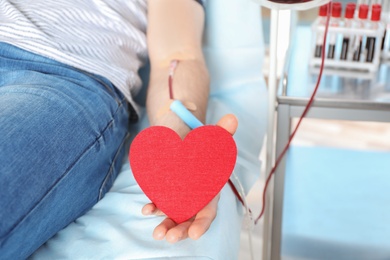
(166, 225)
(161, 230)
(178, 232)
(203, 219)
(193, 228)
(167, 228)
(229, 122)
(151, 209)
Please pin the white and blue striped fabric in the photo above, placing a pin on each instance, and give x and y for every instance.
(103, 37)
(65, 30)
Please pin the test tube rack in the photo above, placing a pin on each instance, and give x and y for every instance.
(386, 43)
(353, 33)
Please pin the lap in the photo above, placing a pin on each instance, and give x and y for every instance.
(62, 136)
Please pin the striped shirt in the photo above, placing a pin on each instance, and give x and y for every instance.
(104, 37)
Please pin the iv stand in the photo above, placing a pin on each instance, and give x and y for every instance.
(269, 248)
(272, 87)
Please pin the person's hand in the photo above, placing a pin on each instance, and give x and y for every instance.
(198, 225)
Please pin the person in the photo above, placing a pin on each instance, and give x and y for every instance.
(67, 86)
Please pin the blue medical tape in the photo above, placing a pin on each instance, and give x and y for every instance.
(181, 111)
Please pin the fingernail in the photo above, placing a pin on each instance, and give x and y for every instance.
(193, 235)
(159, 235)
(172, 239)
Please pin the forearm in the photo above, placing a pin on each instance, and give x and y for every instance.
(190, 84)
(175, 33)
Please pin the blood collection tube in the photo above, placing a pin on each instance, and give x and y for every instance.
(376, 10)
(386, 13)
(349, 23)
(360, 23)
(334, 22)
(322, 13)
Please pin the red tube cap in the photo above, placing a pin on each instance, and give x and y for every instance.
(336, 9)
(363, 11)
(350, 10)
(376, 12)
(323, 10)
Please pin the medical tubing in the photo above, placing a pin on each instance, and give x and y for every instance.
(192, 122)
(248, 212)
(172, 68)
(181, 111)
(280, 157)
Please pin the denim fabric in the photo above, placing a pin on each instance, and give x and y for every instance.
(62, 141)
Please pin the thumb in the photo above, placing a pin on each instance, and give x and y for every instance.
(229, 122)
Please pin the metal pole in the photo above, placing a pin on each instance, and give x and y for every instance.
(272, 88)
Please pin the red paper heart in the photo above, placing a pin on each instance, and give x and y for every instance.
(182, 176)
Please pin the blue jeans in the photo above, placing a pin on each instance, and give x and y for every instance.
(62, 140)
